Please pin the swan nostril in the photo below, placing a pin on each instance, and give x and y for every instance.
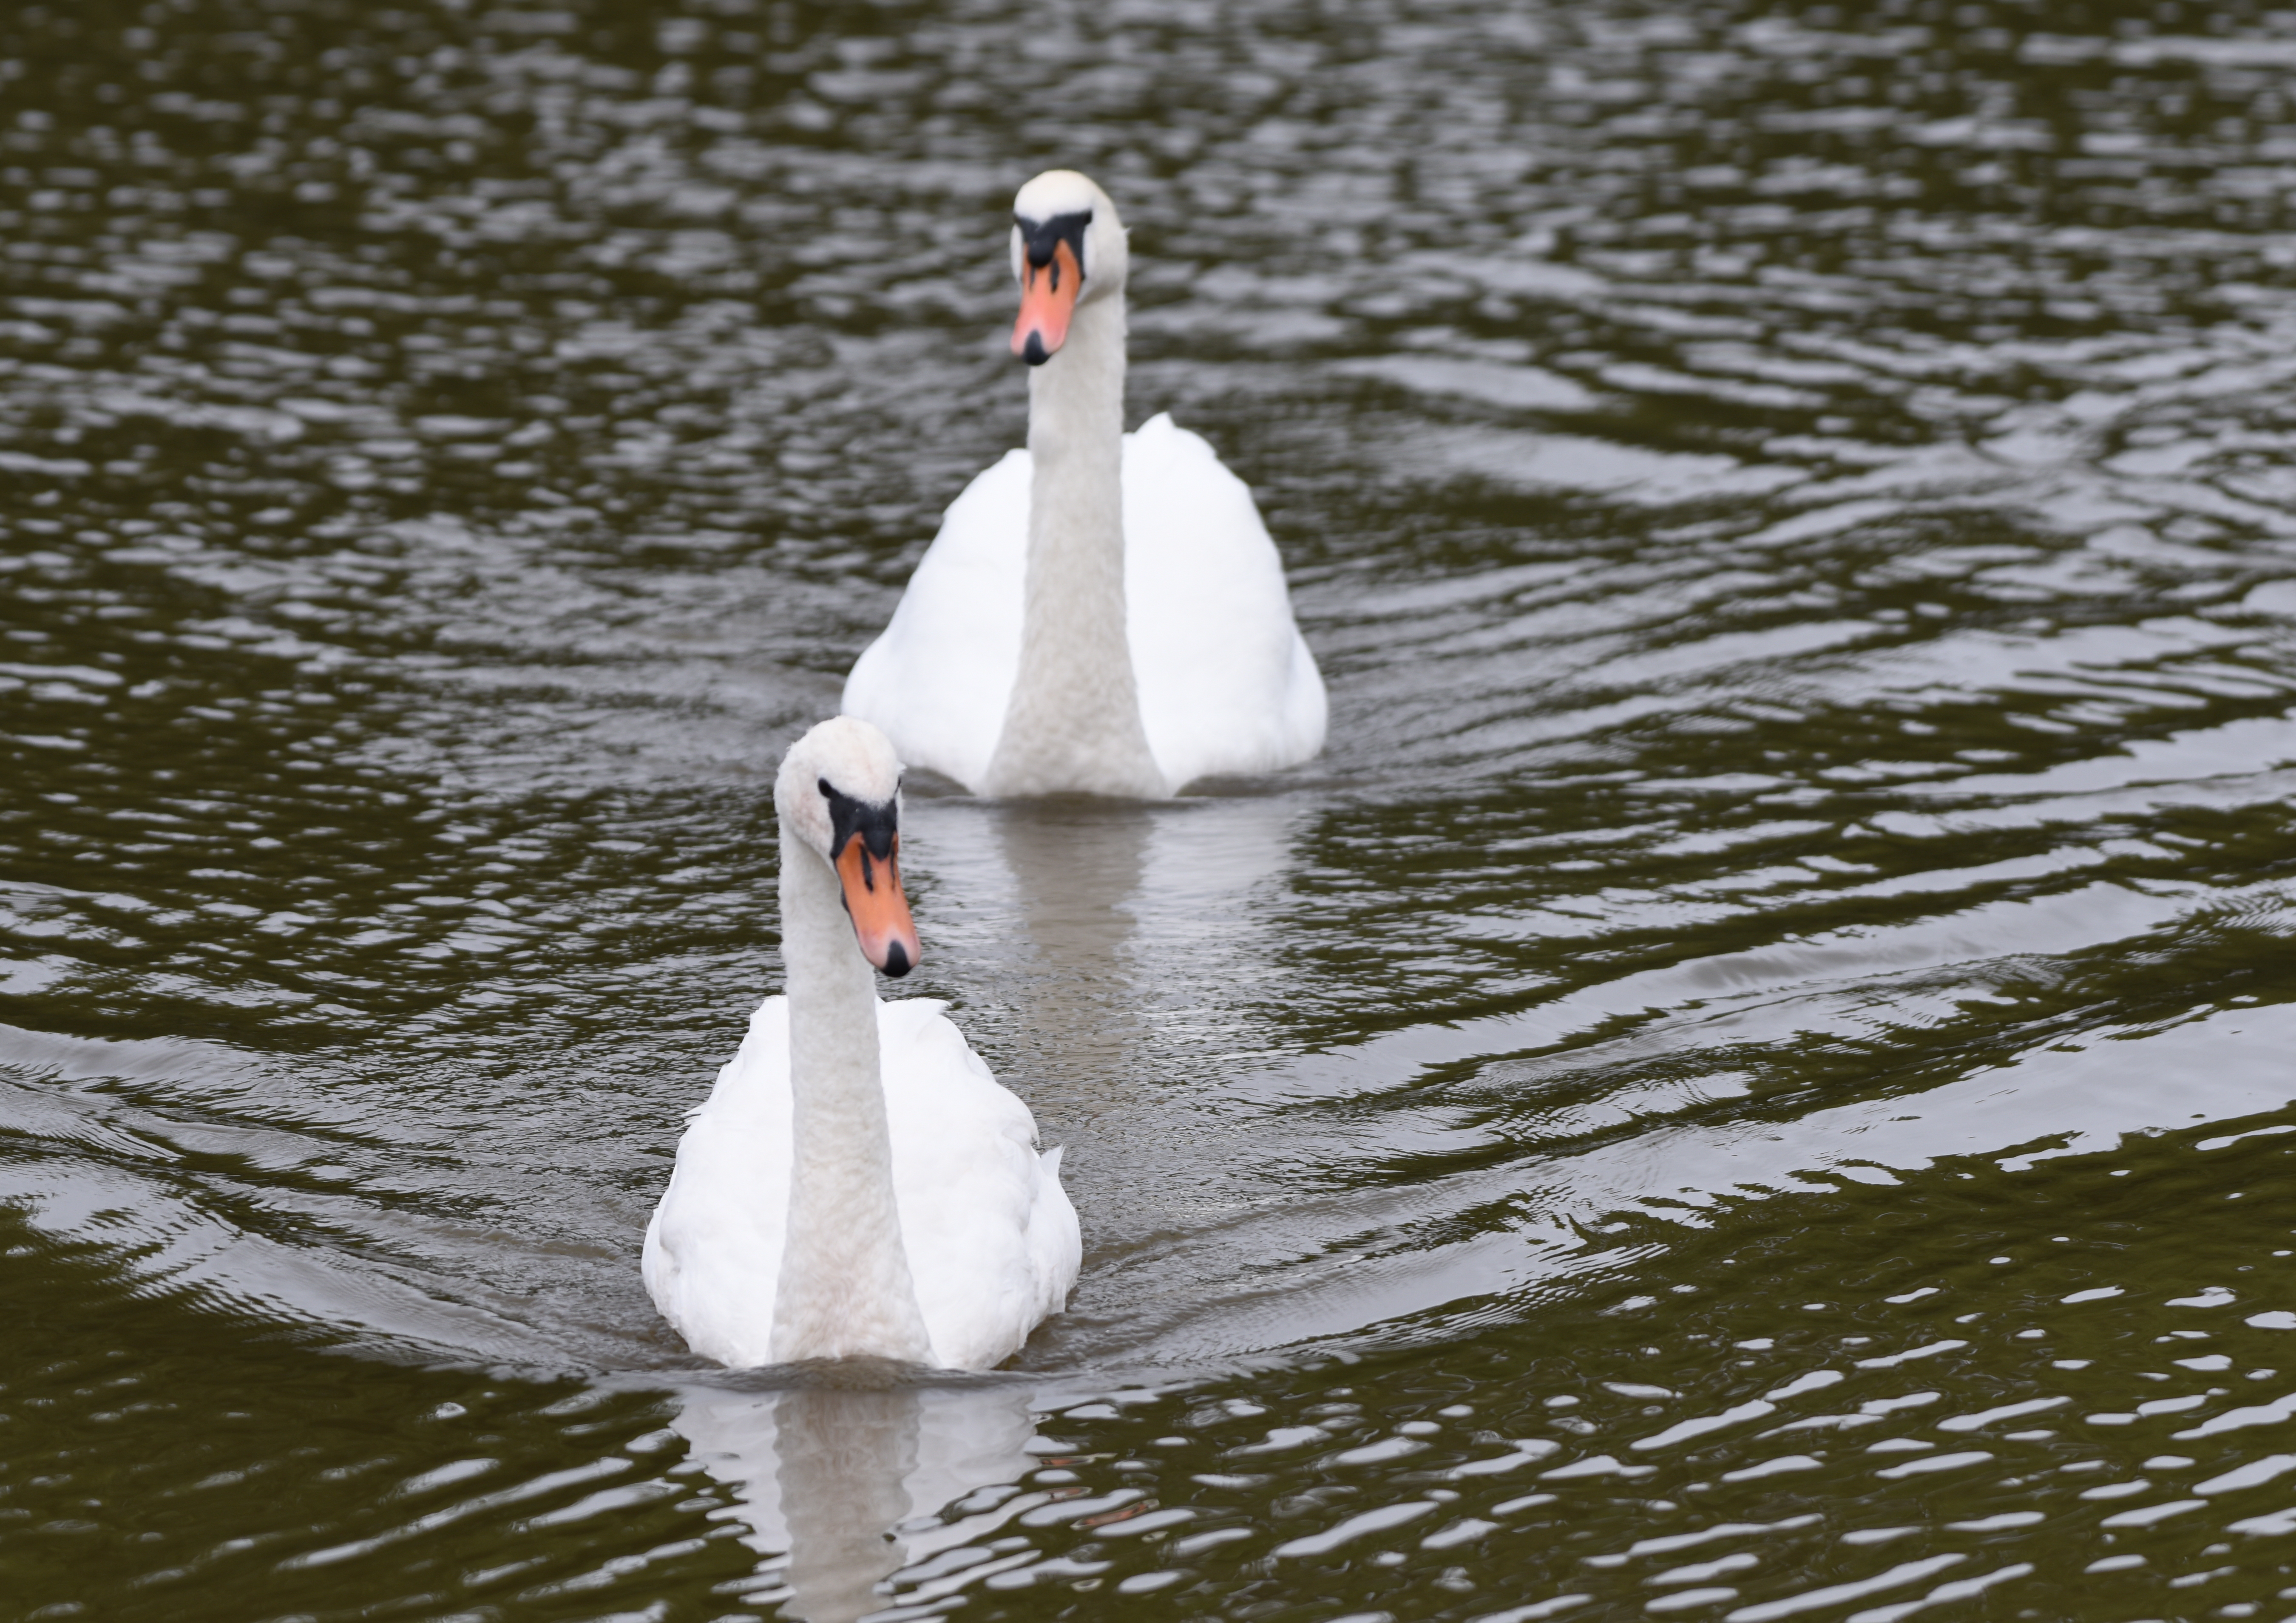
(1034, 352)
(897, 960)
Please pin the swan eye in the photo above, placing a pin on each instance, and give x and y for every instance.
(827, 793)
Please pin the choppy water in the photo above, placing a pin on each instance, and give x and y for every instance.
(1752, 1080)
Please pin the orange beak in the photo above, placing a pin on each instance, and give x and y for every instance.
(1048, 296)
(879, 911)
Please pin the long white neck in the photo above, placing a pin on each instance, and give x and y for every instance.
(1073, 723)
(845, 1288)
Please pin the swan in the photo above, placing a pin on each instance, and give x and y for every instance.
(1103, 612)
(857, 1185)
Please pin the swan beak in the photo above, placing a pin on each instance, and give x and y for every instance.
(879, 911)
(1048, 296)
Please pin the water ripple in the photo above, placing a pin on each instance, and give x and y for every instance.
(1744, 1085)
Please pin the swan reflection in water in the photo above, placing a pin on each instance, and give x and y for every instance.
(827, 1472)
(1076, 866)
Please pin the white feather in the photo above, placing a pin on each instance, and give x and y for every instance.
(992, 1238)
(1226, 683)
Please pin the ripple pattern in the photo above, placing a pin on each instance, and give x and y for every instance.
(1744, 1086)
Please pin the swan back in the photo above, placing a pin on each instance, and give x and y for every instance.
(1227, 685)
(940, 678)
(713, 1251)
(992, 1237)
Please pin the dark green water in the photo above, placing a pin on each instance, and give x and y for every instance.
(1751, 1082)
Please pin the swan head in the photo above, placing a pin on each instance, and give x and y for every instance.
(1068, 249)
(839, 791)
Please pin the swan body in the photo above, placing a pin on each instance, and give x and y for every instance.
(1103, 612)
(990, 1237)
(857, 1183)
(1225, 683)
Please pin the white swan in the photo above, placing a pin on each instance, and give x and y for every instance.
(857, 1184)
(1104, 612)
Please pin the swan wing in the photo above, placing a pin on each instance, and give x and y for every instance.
(940, 678)
(1056, 1240)
(713, 1251)
(1227, 682)
(990, 1234)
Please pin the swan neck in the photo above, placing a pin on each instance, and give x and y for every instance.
(845, 1288)
(1075, 399)
(1073, 723)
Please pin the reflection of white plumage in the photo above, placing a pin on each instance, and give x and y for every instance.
(1102, 612)
(830, 1472)
(857, 1184)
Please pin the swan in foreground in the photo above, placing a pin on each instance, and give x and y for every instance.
(1103, 612)
(857, 1184)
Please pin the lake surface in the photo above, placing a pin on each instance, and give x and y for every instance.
(1752, 1080)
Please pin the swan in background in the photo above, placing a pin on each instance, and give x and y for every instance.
(1103, 612)
(857, 1185)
